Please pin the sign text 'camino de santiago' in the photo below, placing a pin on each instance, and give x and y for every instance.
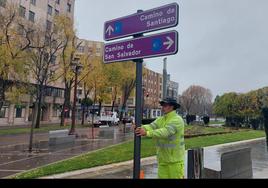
(146, 21)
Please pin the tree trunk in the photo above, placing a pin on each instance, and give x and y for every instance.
(266, 129)
(2, 93)
(39, 108)
(83, 115)
(34, 116)
(113, 106)
(66, 104)
(62, 116)
(100, 105)
(114, 98)
(122, 112)
(93, 114)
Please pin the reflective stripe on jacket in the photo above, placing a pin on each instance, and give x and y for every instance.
(168, 133)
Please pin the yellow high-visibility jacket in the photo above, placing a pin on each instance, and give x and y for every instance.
(168, 133)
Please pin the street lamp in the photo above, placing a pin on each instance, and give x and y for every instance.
(76, 67)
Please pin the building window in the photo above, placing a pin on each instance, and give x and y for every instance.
(53, 59)
(47, 40)
(48, 92)
(22, 11)
(58, 2)
(69, 7)
(118, 100)
(98, 50)
(81, 49)
(49, 25)
(21, 30)
(49, 9)
(33, 2)
(90, 50)
(57, 12)
(31, 16)
(57, 92)
(19, 112)
(3, 112)
(55, 111)
(79, 91)
(130, 101)
(3, 3)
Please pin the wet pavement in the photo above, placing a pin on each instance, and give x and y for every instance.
(259, 156)
(15, 158)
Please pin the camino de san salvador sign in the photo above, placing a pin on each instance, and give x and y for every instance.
(145, 47)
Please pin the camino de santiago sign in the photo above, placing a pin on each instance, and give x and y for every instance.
(146, 21)
(144, 47)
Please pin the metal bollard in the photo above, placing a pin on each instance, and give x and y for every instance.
(195, 163)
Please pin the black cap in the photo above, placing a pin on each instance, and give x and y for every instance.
(170, 101)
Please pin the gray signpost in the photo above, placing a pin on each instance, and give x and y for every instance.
(141, 47)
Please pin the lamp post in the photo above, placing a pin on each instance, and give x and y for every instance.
(76, 67)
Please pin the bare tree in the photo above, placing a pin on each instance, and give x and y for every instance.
(46, 44)
(196, 100)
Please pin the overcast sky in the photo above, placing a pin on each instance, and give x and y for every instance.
(223, 44)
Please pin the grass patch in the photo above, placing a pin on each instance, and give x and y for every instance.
(199, 129)
(25, 130)
(124, 152)
(217, 122)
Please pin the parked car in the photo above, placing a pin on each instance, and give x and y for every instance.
(110, 118)
(127, 120)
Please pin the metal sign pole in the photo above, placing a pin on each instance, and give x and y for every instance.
(138, 114)
(138, 119)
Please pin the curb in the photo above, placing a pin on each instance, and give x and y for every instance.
(112, 168)
(236, 143)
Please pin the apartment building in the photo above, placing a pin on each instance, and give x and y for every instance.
(38, 12)
(172, 88)
(152, 93)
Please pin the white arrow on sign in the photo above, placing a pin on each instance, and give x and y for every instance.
(110, 29)
(170, 42)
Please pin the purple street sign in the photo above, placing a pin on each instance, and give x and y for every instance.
(145, 47)
(146, 21)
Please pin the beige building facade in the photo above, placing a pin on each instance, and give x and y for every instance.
(38, 12)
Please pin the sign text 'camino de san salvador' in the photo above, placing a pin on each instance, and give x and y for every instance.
(144, 47)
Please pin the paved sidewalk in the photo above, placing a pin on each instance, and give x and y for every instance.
(15, 158)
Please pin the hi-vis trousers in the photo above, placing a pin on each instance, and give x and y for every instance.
(171, 170)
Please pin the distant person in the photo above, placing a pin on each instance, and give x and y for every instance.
(206, 120)
(188, 119)
(168, 133)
